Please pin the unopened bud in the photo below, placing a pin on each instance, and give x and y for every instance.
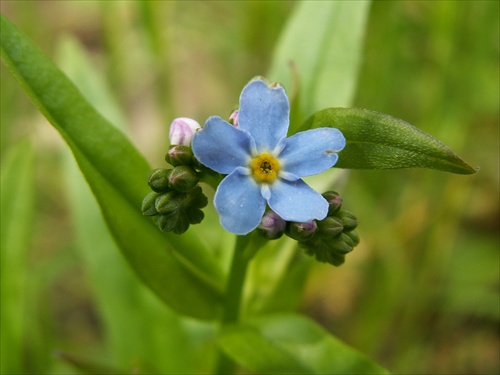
(195, 215)
(196, 198)
(233, 119)
(348, 219)
(354, 237)
(182, 130)
(179, 155)
(334, 201)
(301, 231)
(272, 226)
(331, 226)
(183, 178)
(166, 222)
(342, 244)
(169, 202)
(158, 179)
(148, 204)
(182, 223)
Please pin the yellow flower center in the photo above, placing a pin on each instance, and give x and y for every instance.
(265, 167)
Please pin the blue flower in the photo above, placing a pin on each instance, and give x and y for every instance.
(264, 167)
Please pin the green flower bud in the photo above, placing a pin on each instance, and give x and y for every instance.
(182, 223)
(348, 219)
(169, 202)
(331, 226)
(334, 201)
(301, 231)
(195, 215)
(342, 244)
(167, 222)
(158, 180)
(179, 155)
(322, 252)
(183, 178)
(196, 198)
(148, 204)
(354, 237)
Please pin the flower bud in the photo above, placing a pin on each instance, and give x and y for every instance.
(342, 244)
(196, 198)
(354, 237)
(169, 202)
(183, 178)
(166, 222)
(233, 119)
(182, 223)
(272, 226)
(301, 231)
(179, 155)
(148, 204)
(195, 215)
(331, 226)
(158, 179)
(334, 201)
(182, 130)
(348, 219)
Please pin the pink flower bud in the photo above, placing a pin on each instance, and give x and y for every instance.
(233, 119)
(182, 130)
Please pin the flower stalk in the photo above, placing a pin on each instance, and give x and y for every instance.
(244, 250)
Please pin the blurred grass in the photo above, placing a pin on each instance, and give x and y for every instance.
(420, 294)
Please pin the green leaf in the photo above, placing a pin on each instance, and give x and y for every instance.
(123, 303)
(379, 141)
(178, 269)
(324, 40)
(17, 212)
(293, 344)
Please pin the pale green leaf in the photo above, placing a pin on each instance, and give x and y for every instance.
(323, 40)
(17, 212)
(292, 344)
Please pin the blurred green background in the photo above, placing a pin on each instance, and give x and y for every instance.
(421, 292)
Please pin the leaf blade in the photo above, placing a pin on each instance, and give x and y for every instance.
(291, 343)
(114, 169)
(379, 141)
(324, 41)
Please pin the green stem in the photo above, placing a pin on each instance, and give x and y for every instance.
(234, 292)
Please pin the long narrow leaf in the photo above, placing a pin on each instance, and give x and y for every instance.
(17, 210)
(176, 268)
(379, 141)
(323, 40)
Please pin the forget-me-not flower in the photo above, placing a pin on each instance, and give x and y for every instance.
(264, 167)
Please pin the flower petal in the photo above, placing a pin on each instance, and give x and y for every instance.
(264, 113)
(239, 203)
(312, 151)
(296, 201)
(221, 147)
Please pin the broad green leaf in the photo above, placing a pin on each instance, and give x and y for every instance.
(176, 268)
(292, 344)
(17, 212)
(323, 40)
(379, 141)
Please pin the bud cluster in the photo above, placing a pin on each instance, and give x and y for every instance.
(176, 200)
(329, 240)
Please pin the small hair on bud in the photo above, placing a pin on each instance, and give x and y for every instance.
(182, 130)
